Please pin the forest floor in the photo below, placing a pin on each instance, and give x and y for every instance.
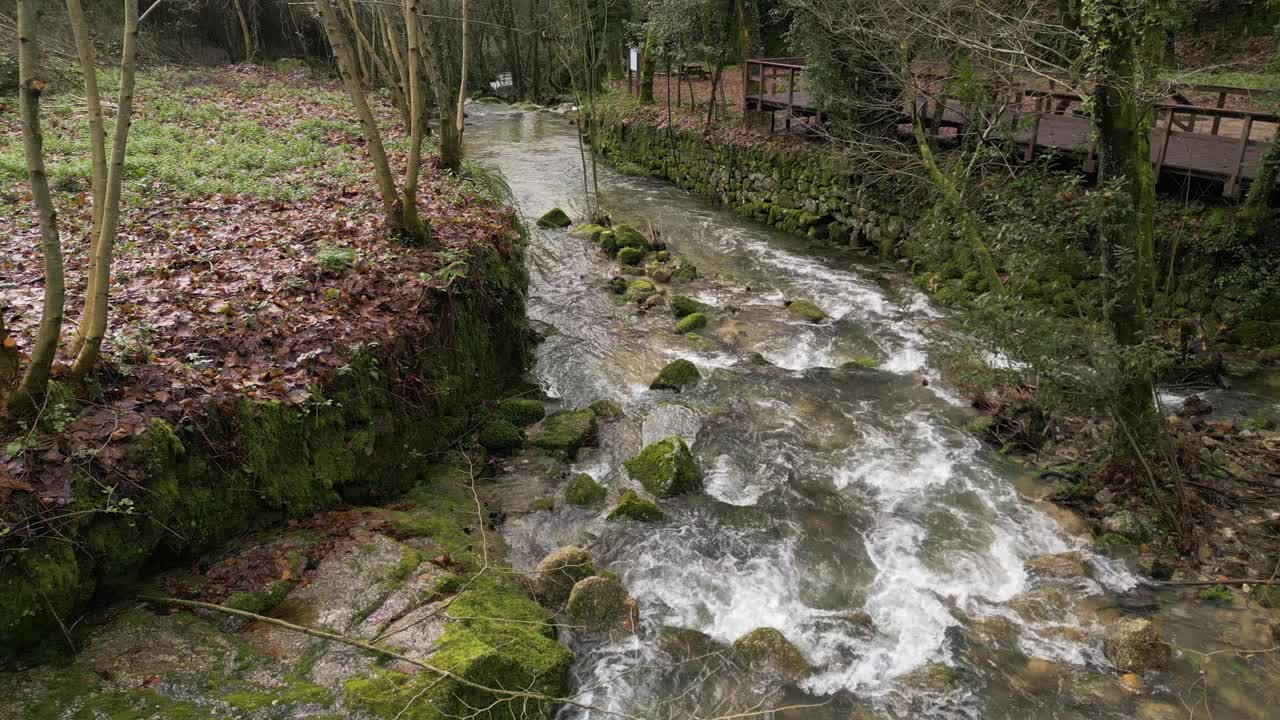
(251, 260)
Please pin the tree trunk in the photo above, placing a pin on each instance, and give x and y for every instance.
(434, 42)
(460, 126)
(32, 387)
(351, 78)
(244, 32)
(413, 225)
(88, 355)
(742, 9)
(98, 154)
(399, 79)
(648, 64)
(1123, 122)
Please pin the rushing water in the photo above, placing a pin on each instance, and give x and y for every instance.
(830, 487)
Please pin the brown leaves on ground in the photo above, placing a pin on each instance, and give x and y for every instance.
(227, 297)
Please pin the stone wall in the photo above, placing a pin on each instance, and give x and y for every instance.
(801, 190)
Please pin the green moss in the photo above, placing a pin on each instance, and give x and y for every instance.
(934, 677)
(293, 693)
(560, 571)
(864, 361)
(685, 272)
(767, 648)
(606, 409)
(1113, 544)
(628, 237)
(608, 242)
(520, 412)
(806, 310)
(692, 322)
(677, 375)
(631, 256)
(1217, 595)
(599, 602)
(590, 231)
(666, 468)
(566, 431)
(501, 437)
(633, 507)
(640, 288)
(584, 491)
(554, 218)
(682, 305)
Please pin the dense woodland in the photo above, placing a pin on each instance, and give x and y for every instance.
(349, 213)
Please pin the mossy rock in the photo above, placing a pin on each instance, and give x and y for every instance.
(666, 468)
(684, 644)
(554, 218)
(628, 237)
(932, 677)
(677, 375)
(1136, 645)
(618, 285)
(526, 106)
(682, 305)
(691, 322)
(608, 242)
(559, 571)
(591, 231)
(806, 310)
(600, 602)
(630, 256)
(501, 437)
(584, 491)
(684, 273)
(606, 409)
(768, 649)
(565, 432)
(633, 507)
(640, 288)
(521, 412)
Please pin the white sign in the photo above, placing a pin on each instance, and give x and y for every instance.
(635, 59)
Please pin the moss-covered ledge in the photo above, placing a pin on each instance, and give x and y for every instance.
(364, 438)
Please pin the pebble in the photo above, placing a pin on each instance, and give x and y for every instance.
(1131, 681)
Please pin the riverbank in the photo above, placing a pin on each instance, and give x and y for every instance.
(274, 354)
(1217, 327)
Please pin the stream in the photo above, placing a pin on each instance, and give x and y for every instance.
(845, 505)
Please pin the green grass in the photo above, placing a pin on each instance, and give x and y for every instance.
(198, 133)
(1256, 81)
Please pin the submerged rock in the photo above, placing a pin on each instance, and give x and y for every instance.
(1135, 644)
(682, 305)
(666, 468)
(584, 491)
(691, 322)
(501, 437)
(559, 571)
(599, 602)
(565, 432)
(677, 375)
(806, 310)
(670, 419)
(1062, 566)
(520, 412)
(590, 231)
(606, 410)
(932, 677)
(554, 218)
(768, 649)
(633, 507)
(685, 644)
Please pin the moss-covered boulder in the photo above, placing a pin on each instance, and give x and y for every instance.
(600, 602)
(684, 272)
(501, 437)
(590, 231)
(608, 242)
(559, 571)
(565, 432)
(606, 410)
(618, 285)
(682, 305)
(584, 491)
(630, 256)
(666, 468)
(1135, 644)
(554, 218)
(678, 374)
(640, 288)
(806, 310)
(633, 507)
(521, 412)
(768, 649)
(684, 644)
(691, 322)
(932, 677)
(628, 237)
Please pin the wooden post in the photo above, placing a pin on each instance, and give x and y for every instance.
(1222, 102)
(791, 93)
(1232, 188)
(1164, 144)
(1035, 130)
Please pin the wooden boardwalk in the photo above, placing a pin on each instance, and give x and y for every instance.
(1215, 142)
